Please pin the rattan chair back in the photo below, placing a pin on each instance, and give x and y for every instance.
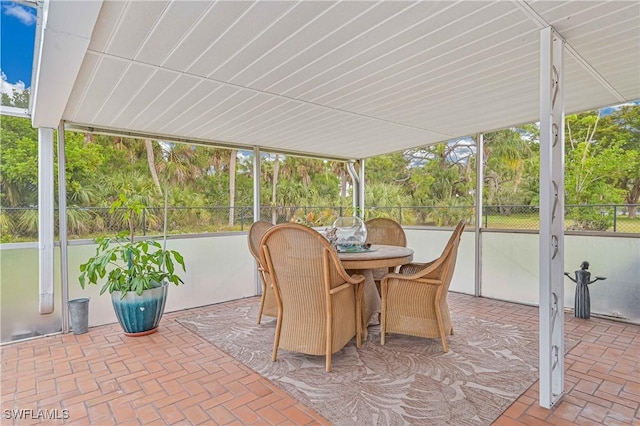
(414, 301)
(268, 304)
(386, 231)
(382, 230)
(318, 303)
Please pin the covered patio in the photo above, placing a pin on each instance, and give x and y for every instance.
(339, 80)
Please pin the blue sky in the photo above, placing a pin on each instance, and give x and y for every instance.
(17, 34)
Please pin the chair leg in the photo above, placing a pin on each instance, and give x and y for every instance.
(445, 308)
(359, 296)
(261, 303)
(445, 345)
(328, 342)
(443, 335)
(383, 314)
(276, 340)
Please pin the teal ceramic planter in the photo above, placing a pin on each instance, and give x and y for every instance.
(140, 315)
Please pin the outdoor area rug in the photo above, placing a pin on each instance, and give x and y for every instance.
(410, 380)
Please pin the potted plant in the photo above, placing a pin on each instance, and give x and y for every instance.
(137, 272)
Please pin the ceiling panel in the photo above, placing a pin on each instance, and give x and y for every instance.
(439, 49)
(280, 107)
(212, 25)
(483, 79)
(341, 79)
(251, 25)
(352, 56)
(170, 30)
(108, 20)
(164, 99)
(106, 75)
(302, 20)
(256, 108)
(134, 26)
(133, 78)
(215, 109)
(302, 49)
(143, 98)
(186, 106)
(87, 69)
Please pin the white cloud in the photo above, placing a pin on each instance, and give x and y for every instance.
(8, 87)
(21, 13)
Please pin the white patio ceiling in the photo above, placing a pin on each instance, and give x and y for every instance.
(350, 79)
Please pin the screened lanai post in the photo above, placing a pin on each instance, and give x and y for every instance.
(257, 169)
(478, 216)
(361, 204)
(257, 173)
(45, 219)
(62, 226)
(551, 218)
(355, 183)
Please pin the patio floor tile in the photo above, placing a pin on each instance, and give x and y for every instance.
(176, 377)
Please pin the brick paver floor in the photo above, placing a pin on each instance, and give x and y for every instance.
(175, 377)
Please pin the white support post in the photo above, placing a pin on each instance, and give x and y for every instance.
(479, 208)
(45, 220)
(551, 219)
(62, 226)
(361, 190)
(257, 169)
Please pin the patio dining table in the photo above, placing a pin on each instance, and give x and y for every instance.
(364, 263)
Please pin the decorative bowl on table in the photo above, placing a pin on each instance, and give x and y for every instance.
(351, 233)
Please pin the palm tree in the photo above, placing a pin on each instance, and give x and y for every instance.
(152, 163)
(178, 166)
(339, 168)
(505, 154)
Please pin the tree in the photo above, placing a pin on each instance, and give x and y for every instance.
(441, 177)
(593, 167)
(507, 155)
(151, 159)
(390, 168)
(18, 162)
(593, 170)
(18, 98)
(339, 168)
(83, 162)
(440, 172)
(622, 128)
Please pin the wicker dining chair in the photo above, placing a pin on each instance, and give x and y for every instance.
(382, 230)
(268, 304)
(414, 300)
(319, 304)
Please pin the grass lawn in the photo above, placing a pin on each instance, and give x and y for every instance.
(531, 221)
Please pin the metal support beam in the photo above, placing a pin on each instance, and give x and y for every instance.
(360, 210)
(45, 220)
(62, 222)
(479, 208)
(257, 169)
(355, 185)
(551, 219)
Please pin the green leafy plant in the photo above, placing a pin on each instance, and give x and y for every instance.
(127, 264)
